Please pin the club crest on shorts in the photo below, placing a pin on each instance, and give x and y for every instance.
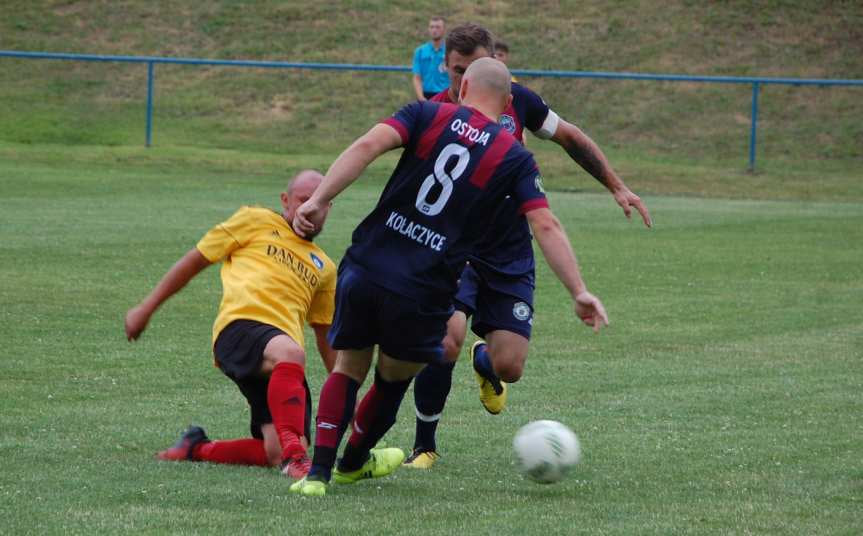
(317, 260)
(521, 311)
(508, 123)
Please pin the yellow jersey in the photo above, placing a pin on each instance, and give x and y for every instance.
(269, 274)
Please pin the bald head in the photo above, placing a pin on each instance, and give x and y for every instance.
(486, 85)
(490, 76)
(299, 190)
(307, 179)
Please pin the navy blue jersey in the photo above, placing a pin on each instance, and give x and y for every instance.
(456, 170)
(508, 250)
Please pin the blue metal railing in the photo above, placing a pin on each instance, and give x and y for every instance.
(756, 82)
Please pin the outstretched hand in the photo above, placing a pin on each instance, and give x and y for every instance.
(591, 311)
(137, 319)
(308, 218)
(627, 199)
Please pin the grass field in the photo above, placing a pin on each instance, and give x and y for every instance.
(275, 111)
(724, 398)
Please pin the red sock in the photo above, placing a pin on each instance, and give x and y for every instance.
(377, 412)
(286, 398)
(335, 409)
(237, 451)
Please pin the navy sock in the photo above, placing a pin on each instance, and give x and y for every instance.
(482, 363)
(323, 470)
(431, 388)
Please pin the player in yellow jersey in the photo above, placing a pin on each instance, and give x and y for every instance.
(273, 281)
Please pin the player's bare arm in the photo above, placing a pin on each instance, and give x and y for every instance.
(328, 354)
(343, 172)
(177, 277)
(418, 87)
(557, 250)
(589, 156)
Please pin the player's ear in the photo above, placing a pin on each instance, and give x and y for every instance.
(508, 101)
(284, 198)
(462, 92)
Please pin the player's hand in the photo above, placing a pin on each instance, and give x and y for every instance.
(308, 218)
(626, 199)
(590, 310)
(136, 322)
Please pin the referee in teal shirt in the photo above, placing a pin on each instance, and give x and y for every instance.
(430, 76)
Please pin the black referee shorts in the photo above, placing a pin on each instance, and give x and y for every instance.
(239, 352)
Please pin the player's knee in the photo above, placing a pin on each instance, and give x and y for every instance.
(294, 356)
(291, 353)
(509, 372)
(452, 346)
(507, 359)
(284, 353)
(508, 364)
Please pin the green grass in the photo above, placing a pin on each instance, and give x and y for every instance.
(723, 399)
(288, 111)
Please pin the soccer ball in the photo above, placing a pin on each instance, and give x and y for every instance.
(546, 450)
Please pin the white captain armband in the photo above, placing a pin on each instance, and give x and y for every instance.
(549, 126)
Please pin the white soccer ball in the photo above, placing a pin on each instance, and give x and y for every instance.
(546, 450)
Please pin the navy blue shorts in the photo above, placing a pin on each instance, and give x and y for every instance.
(496, 302)
(367, 314)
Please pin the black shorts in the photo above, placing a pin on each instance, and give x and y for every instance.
(239, 352)
(368, 314)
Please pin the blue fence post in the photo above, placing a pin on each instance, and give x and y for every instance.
(753, 129)
(149, 103)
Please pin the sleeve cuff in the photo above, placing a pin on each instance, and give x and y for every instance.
(207, 255)
(400, 128)
(533, 204)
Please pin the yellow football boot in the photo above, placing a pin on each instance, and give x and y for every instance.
(309, 488)
(422, 459)
(491, 394)
(381, 462)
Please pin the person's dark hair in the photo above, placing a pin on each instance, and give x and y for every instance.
(438, 17)
(465, 39)
(501, 45)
